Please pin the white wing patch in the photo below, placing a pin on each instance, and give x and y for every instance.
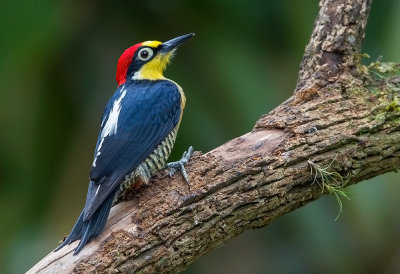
(97, 191)
(111, 126)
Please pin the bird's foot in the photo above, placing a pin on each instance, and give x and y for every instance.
(179, 165)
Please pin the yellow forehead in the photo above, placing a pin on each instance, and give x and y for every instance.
(152, 44)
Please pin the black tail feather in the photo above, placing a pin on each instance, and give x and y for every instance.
(87, 230)
(75, 233)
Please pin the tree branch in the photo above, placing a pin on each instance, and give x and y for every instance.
(335, 42)
(332, 121)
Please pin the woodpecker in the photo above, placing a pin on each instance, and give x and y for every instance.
(137, 132)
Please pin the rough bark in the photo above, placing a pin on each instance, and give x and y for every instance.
(335, 42)
(335, 118)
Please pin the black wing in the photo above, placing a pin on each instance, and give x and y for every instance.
(136, 120)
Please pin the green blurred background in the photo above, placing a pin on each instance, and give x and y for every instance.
(57, 70)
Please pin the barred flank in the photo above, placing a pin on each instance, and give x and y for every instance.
(155, 162)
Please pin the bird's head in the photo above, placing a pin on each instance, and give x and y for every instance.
(147, 60)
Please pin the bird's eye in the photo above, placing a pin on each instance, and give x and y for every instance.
(145, 54)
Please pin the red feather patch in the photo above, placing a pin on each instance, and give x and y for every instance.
(124, 62)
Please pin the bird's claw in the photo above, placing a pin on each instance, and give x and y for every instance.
(180, 165)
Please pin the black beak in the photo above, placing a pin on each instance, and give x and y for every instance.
(174, 43)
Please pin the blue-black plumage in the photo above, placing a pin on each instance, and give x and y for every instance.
(143, 114)
(147, 113)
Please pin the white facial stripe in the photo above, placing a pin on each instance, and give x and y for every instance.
(137, 76)
(111, 126)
